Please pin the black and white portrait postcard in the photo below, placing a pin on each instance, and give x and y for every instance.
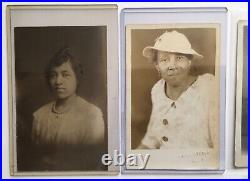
(241, 129)
(62, 103)
(173, 95)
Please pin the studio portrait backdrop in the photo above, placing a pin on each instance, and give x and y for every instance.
(34, 47)
(144, 74)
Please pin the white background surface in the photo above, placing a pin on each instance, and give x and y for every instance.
(236, 11)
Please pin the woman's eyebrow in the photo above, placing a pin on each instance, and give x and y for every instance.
(61, 71)
(164, 55)
(64, 71)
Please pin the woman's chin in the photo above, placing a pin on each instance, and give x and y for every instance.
(172, 81)
(61, 97)
(64, 97)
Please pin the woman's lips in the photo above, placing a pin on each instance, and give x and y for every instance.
(60, 89)
(172, 73)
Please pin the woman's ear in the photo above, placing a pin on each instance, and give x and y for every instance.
(158, 69)
(157, 66)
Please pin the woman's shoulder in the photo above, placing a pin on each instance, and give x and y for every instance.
(43, 109)
(207, 80)
(91, 117)
(83, 105)
(158, 86)
(207, 77)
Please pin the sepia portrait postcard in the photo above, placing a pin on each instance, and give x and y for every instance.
(241, 129)
(63, 101)
(173, 95)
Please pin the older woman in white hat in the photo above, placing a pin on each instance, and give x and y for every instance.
(184, 105)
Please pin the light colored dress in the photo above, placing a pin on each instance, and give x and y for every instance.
(69, 141)
(189, 122)
(81, 124)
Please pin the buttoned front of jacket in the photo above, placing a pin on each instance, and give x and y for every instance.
(184, 123)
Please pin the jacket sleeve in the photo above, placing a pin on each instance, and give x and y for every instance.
(97, 127)
(35, 130)
(150, 139)
(213, 114)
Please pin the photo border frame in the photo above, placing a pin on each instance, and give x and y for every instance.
(139, 16)
(241, 160)
(111, 21)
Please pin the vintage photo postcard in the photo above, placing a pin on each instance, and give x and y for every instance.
(173, 96)
(59, 87)
(241, 129)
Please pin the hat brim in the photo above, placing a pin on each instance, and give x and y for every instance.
(149, 52)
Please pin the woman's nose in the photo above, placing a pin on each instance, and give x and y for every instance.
(59, 79)
(172, 62)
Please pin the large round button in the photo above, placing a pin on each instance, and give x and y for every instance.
(164, 138)
(165, 121)
(173, 105)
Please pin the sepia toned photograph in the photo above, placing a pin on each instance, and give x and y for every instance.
(172, 83)
(59, 86)
(60, 75)
(241, 131)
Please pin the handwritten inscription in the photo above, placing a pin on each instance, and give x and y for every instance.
(195, 156)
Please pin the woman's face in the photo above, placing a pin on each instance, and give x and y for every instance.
(63, 81)
(174, 67)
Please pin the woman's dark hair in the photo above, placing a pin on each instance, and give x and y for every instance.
(60, 57)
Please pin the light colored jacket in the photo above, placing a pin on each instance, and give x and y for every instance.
(189, 122)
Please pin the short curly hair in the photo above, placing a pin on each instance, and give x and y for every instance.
(60, 57)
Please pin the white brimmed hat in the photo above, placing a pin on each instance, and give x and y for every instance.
(173, 42)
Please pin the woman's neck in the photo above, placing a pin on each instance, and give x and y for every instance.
(175, 91)
(63, 105)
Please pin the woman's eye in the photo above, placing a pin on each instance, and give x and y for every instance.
(165, 60)
(180, 57)
(66, 75)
